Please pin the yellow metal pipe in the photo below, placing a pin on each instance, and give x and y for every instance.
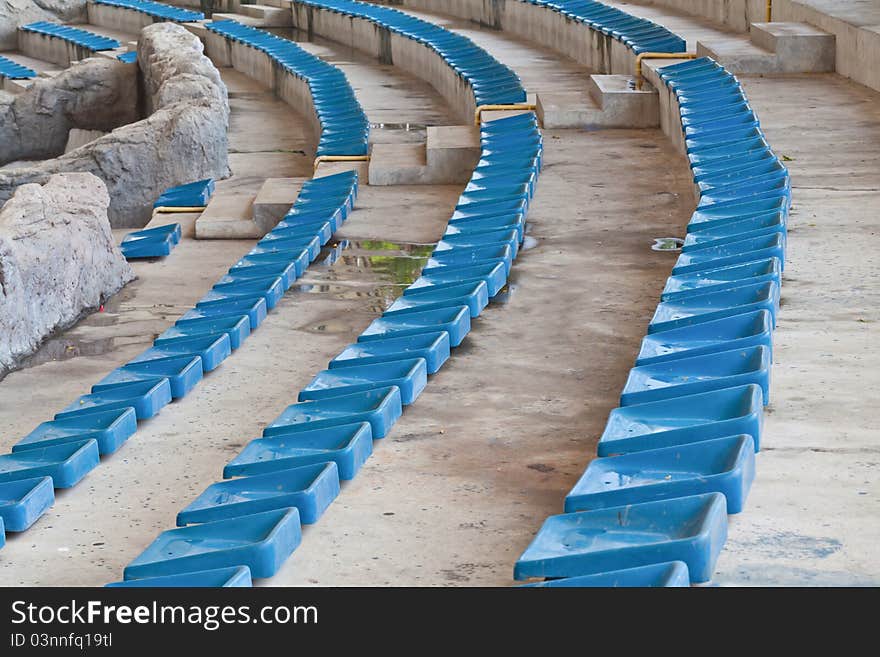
(769, 10)
(658, 55)
(171, 208)
(500, 108)
(339, 158)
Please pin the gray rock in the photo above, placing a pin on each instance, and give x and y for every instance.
(58, 260)
(95, 94)
(21, 12)
(184, 139)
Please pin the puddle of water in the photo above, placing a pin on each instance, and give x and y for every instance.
(667, 244)
(406, 127)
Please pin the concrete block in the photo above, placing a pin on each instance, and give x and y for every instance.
(268, 16)
(228, 216)
(398, 164)
(622, 105)
(799, 48)
(566, 109)
(452, 152)
(274, 200)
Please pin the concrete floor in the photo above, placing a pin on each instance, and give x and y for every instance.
(96, 528)
(812, 517)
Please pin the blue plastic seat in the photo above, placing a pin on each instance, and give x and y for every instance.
(691, 529)
(724, 465)
(673, 574)
(261, 541)
(710, 306)
(310, 489)
(346, 445)
(681, 420)
(145, 397)
(109, 429)
(380, 407)
(182, 373)
(433, 347)
(409, 375)
(66, 464)
(734, 332)
(23, 501)
(454, 320)
(234, 576)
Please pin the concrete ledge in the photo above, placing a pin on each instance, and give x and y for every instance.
(118, 18)
(51, 49)
(542, 25)
(259, 66)
(389, 48)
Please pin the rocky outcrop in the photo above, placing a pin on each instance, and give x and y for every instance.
(58, 260)
(95, 94)
(21, 12)
(183, 139)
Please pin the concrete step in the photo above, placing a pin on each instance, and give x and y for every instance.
(268, 15)
(611, 101)
(241, 18)
(398, 164)
(738, 55)
(566, 109)
(274, 200)
(228, 216)
(452, 152)
(774, 48)
(799, 47)
(447, 157)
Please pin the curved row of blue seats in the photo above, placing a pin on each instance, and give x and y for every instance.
(14, 71)
(638, 34)
(59, 453)
(678, 454)
(491, 81)
(345, 129)
(156, 9)
(291, 473)
(74, 35)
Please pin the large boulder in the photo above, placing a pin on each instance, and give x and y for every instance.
(21, 12)
(58, 260)
(95, 94)
(182, 140)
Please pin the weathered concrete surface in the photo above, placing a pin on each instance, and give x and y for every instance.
(58, 259)
(21, 12)
(737, 15)
(812, 515)
(95, 529)
(458, 489)
(96, 94)
(184, 138)
(855, 24)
